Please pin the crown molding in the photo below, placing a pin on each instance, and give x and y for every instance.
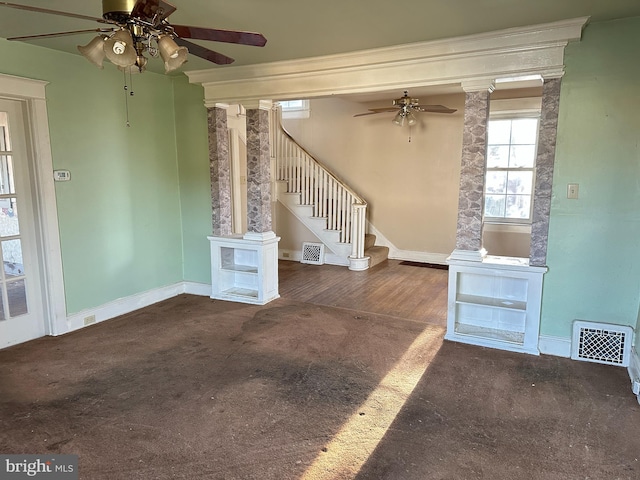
(514, 52)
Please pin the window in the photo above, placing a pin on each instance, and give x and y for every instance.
(295, 108)
(511, 155)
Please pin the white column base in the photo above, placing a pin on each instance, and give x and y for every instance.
(259, 236)
(468, 255)
(358, 264)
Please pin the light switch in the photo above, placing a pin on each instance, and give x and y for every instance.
(572, 190)
(61, 175)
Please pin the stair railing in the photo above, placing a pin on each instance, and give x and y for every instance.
(330, 197)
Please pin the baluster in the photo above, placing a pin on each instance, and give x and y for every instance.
(304, 180)
(334, 206)
(290, 168)
(342, 215)
(320, 191)
(325, 186)
(307, 164)
(348, 219)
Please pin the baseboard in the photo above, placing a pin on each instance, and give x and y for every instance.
(634, 369)
(421, 257)
(125, 305)
(407, 255)
(195, 288)
(558, 346)
(292, 255)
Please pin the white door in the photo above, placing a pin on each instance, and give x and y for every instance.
(21, 296)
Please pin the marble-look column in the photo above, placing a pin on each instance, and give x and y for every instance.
(258, 168)
(220, 170)
(472, 172)
(547, 135)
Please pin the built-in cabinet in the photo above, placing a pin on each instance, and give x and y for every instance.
(495, 303)
(244, 268)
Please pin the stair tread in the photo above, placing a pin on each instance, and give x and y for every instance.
(377, 254)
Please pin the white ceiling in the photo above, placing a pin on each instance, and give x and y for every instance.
(302, 28)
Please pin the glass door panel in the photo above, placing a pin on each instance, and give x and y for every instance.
(13, 290)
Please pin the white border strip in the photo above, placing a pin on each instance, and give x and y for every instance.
(634, 369)
(406, 255)
(557, 346)
(125, 305)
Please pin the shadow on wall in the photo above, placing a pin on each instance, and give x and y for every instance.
(506, 240)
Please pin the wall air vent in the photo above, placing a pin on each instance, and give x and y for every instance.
(312, 253)
(601, 343)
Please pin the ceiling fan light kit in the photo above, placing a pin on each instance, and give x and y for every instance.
(94, 51)
(138, 27)
(172, 54)
(406, 107)
(119, 49)
(403, 118)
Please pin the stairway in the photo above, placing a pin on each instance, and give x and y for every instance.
(325, 205)
(377, 254)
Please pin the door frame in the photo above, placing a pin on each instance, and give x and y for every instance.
(32, 94)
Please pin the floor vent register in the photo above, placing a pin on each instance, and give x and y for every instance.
(601, 343)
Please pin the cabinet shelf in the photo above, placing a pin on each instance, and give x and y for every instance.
(491, 302)
(491, 333)
(495, 305)
(240, 292)
(245, 268)
(240, 268)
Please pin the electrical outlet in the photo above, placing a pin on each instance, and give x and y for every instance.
(89, 320)
(572, 190)
(285, 254)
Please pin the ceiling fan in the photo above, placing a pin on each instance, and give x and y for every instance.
(135, 27)
(405, 107)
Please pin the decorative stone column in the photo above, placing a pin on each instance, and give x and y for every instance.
(220, 170)
(472, 172)
(547, 136)
(245, 268)
(258, 168)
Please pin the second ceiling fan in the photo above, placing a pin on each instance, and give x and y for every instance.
(405, 107)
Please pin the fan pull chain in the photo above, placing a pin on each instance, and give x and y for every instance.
(409, 133)
(130, 93)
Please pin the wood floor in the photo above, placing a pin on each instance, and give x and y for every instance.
(390, 288)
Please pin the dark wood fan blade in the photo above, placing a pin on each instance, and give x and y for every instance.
(61, 34)
(52, 12)
(434, 108)
(148, 9)
(205, 53)
(215, 35)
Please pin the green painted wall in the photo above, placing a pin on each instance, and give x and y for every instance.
(195, 183)
(593, 255)
(119, 216)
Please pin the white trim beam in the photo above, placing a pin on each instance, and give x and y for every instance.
(516, 52)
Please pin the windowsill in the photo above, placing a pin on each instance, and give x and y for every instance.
(490, 226)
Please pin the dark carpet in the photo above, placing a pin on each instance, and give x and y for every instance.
(193, 388)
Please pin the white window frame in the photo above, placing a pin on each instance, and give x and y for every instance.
(290, 110)
(514, 114)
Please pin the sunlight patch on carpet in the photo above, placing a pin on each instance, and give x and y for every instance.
(347, 452)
